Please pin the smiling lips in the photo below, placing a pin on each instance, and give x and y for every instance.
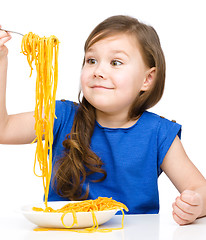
(101, 87)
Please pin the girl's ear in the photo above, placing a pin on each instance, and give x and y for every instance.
(149, 79)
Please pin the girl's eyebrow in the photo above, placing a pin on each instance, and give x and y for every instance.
(116, 51)
(90, 50)
(121, 52)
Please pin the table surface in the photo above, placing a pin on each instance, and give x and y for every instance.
(151, 227)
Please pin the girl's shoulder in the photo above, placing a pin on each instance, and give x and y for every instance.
(160, 124)
(64, 114)
(66, 104)
(65, 107)
(150, 116)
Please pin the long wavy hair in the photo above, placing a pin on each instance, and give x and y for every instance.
(79, 160)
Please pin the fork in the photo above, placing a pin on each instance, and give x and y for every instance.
(11, 32)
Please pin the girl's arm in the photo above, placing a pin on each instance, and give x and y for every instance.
(18, 128)
(191, 184)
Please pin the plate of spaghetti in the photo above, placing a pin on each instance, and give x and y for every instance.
(61, 215)
(42, 55)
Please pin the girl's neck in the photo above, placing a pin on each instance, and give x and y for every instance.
(114, 120)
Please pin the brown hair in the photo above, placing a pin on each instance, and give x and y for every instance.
(79, 160)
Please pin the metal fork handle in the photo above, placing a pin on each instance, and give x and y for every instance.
(11, 32)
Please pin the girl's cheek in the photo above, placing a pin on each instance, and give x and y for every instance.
(85, 75)
(82, 76)
(83, 79)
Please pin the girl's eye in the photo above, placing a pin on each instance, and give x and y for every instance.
(116, 63)
(91, 61)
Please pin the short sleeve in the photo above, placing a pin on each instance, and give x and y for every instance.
(63, 111)
(167, 132)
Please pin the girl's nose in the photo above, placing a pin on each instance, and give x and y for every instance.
(98, 75)
(99, 72)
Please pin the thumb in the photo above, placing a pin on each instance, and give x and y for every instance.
(190, 197)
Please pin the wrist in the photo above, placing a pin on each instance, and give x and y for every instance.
(3, 53)
(3, 57)
(3, 63)
(202, 195)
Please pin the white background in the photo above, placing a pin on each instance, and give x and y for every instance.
(181, 26)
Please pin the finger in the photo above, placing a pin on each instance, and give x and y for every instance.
(183, 215)
(185, 206)
(4, 40)
(190, 197)
(179, 220)
(2, 30)
(4, 34)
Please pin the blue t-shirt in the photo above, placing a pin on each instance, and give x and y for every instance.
(132, 157)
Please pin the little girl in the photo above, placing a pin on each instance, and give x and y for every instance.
(112, 146)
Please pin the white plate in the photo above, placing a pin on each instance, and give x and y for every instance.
(53, 220)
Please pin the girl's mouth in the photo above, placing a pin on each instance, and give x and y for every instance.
(101, 87)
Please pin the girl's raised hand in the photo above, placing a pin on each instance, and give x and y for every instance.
(187, 207)
(4, 37)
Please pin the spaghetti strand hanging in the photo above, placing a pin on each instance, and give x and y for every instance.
(44, 53)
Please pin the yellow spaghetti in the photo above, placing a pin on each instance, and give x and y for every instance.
(44, 53)
(99, 204)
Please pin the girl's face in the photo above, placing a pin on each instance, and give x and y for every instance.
(113, 74)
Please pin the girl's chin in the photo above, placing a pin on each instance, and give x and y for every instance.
(99, 100)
